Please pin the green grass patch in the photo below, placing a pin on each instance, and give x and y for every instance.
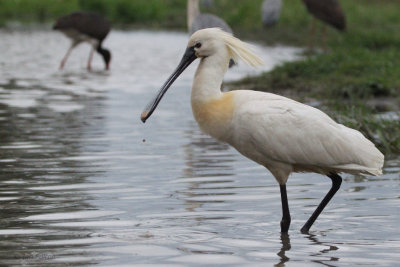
(143, 13)
(35, 11)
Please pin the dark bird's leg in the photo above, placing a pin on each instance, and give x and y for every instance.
(323, 39)
(336, 182)
(89, 64)
(66, 56)
(285, 222)
(312, 35)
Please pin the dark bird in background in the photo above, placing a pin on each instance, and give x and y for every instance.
(329, 12)
(88, 27)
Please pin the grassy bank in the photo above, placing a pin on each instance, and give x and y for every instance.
(355, 81)
(148, 13)
(154, 14)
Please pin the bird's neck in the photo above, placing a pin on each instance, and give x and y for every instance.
(192, 11)
(212, 109)
(99, 48)
(105, 54)
(208, 78)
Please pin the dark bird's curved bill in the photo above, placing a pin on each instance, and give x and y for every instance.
(187, 59)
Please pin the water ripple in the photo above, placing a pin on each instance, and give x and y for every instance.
(85, 182)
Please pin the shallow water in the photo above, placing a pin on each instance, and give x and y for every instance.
(84, 182)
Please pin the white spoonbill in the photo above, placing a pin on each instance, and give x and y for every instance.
(281, 134)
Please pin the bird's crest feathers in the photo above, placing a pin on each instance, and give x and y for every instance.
(237, 48)
(240, 49)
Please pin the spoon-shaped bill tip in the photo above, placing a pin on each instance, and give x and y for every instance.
(144, 116)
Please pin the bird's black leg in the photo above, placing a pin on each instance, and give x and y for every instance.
(336, 182)
(285, 222)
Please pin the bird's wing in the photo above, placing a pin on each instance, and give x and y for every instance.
(287, 131)
(89, 23)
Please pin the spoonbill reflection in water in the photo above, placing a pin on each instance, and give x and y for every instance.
(281, 134)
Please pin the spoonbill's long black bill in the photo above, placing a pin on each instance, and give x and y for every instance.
(187, 59)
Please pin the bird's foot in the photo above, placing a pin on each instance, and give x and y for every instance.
(304, 230)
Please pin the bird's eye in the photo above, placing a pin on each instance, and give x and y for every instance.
(198, 45)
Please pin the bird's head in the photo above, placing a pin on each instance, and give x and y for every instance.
(211, 41)
(106, 54)
(202, 44)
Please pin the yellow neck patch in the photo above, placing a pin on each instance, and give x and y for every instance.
(219, 110)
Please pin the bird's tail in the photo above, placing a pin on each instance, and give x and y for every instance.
(369, 159)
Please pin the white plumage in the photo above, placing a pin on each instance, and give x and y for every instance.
(281, 134)
(284, 134)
